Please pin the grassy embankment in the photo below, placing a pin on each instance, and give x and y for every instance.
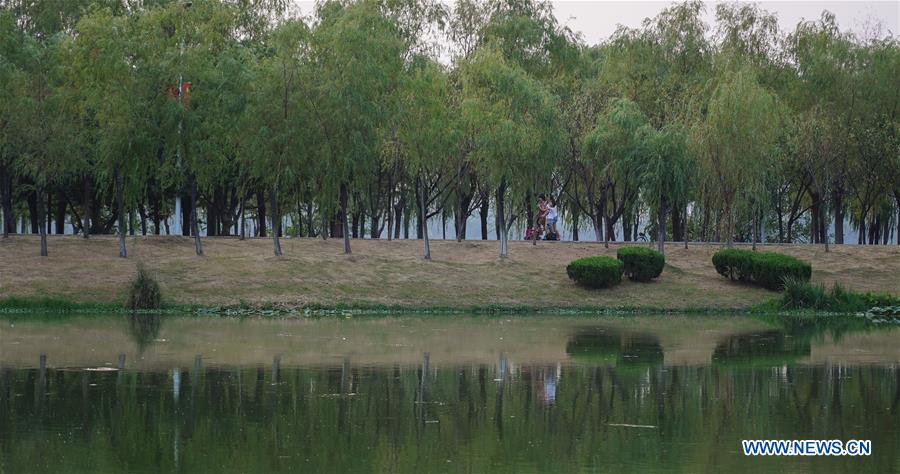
(87, 274)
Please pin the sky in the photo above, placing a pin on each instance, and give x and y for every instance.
(596, 20)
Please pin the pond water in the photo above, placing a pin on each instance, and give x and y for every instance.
(441, 394)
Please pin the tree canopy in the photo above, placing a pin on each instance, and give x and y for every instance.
(369, 117)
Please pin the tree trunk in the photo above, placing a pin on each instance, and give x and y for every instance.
(32, 212)
(501, 221)
(398, 215)
(310, 227)
(755, 227)
(610, 230)
(48, 213)
(661, 226)
(186, 217)
(242, 234)
(42, 230)
(9, 221)
(838, 205)
(60, 222)
(601, 211)
(142, 214)
(823, 224)
(861, 234)
(634, 226)
(195, 225)
(814, 224)
(419, 216)
(897, 198)
(729, 239)
(120, 205)
(276, 221)
(461, 215)
(575, 221)
(344, 223)
(597, 220)
(676, 224)
(483, 214)
(685, 227)
(261, 214)
(374, 231)
(157, 217)
(423, 222)
(405, 222)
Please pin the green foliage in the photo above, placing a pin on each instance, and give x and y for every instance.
(766, 269)
(735, 141)
(596, 272)
(803, 294)
(770, 269)
(354, 104)
(734, 263)
(143, 291)
(641, 263)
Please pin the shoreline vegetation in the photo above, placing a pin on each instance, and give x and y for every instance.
(239, 278)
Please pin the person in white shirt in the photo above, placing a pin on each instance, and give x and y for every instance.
(552, 216)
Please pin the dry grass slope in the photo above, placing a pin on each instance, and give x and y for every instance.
(464, 274)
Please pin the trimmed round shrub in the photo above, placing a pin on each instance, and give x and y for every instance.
(766, 269)
(596, 272)
(770, 270)
(734, 263)
(641, 263)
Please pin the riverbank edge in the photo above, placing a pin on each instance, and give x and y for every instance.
(51, 306)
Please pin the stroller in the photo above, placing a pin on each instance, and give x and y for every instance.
(551, 236)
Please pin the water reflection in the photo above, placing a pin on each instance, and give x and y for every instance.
(761, 349)
(609, 347)
(610, 401)
(144, 329)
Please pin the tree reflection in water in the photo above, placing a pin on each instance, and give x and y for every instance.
(613, 405)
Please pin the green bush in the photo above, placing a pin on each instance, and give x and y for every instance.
(596, 272)
(641, 263)
(143, 291)
(801, 294)
(766, 269)
(734, 264)
(770, 269)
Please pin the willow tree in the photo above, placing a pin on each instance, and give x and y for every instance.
(105, 53)
(514, 124)
(666, 174)
(826, 81)
(734, 140)
(50, 130)
(356, 56)
(277, 119)
(611, 157)
(15, 46)
(428, 133)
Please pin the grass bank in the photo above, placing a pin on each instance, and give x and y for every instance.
(380, 276)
